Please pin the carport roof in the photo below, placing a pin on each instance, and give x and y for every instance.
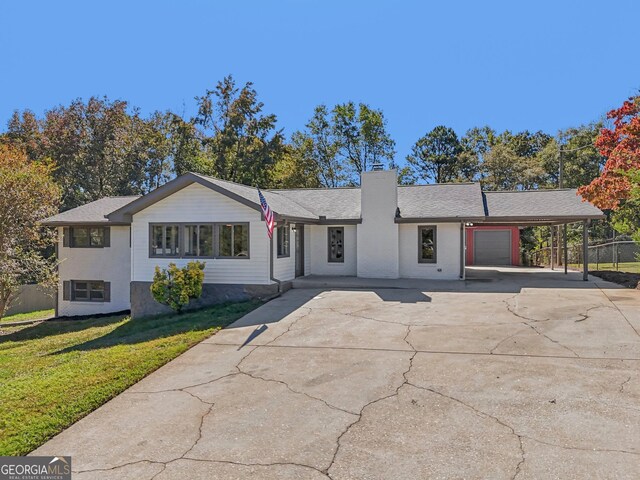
(537, 206)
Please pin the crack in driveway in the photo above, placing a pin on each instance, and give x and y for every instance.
(361, 414)
(485, 415)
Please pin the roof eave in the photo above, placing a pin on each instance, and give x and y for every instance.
(294, 219)
(541, 220)
(438, 219)
(67, 223)
(339, 221)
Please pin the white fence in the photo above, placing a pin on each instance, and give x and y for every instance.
(32, 298)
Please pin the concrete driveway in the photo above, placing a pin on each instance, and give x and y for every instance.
(508, 375)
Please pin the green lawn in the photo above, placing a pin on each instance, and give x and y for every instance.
(54, 373)
(20, 317)
(629, 267)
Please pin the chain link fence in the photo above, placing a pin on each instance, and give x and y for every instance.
(622, 256)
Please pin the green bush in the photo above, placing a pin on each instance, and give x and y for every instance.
(175, 286)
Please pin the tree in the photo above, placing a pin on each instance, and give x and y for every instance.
(338, 146)
(436, 156)
(504, 169)
(176, 287)
(28, 194)
(24, 132)
(581, 159)
(524, 144)
(99, 148)
(479, 140)
(362, 138)
(618, 186)
(239, 142)
(186, 147)
(295, 170)
(317, 150)
(621, 147)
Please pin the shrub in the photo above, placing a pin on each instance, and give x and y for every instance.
(176, 286)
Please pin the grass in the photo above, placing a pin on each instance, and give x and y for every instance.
(20, 317)
(54, 373)
(629, 267)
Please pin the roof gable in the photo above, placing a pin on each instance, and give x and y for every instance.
(241, 193)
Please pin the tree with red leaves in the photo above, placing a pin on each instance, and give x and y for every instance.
(621, 147)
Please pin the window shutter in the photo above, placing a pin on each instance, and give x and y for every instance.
(106, 232)
(66, 290)
(66, 232)
(107, 291)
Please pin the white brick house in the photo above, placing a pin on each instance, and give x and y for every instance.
(108, 249)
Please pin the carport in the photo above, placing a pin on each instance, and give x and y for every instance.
(507, 211)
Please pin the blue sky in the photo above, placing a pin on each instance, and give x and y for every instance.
(512, 65)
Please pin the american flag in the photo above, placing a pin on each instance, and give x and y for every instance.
(268, 214)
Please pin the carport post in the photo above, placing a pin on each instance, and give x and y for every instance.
(463, 248)
(564, 245)
(585, 250)
(551, 245)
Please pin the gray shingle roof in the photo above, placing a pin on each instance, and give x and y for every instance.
(464, 201)
(277, 202)
(539, 204)
(444, 200)
(332, 203)
(94, 212)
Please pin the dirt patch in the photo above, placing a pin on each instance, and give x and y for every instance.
(629, 280)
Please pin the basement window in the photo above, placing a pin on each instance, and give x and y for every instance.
(87, 291)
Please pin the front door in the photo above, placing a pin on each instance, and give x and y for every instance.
(299, 250)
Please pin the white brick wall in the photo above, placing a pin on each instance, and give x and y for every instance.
(110, 264)
(318, 251)
(447, 255)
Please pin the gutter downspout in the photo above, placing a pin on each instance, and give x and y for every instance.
(273, 279)
(57, 251)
